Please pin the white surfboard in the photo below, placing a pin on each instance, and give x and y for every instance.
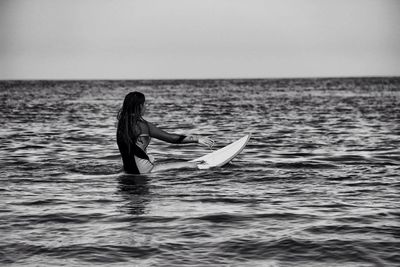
(223, 155)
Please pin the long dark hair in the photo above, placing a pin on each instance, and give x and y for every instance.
(129, 116)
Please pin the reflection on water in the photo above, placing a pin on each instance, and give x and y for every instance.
(317, 185)
(134, 190)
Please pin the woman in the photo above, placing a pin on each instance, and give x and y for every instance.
(134, 134)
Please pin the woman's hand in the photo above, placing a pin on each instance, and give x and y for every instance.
(206, 141)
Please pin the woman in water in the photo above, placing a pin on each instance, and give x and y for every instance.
(134, 134)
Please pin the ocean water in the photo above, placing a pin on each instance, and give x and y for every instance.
(318, 184)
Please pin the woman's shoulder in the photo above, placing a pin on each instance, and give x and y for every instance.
(150, 128)
(145, 126)
(143, 122)
(147, 123)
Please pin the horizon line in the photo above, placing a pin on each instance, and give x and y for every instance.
(200, 79)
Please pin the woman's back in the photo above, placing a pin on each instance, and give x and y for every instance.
(132, 153)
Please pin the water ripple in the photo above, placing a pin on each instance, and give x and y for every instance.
(317, 184)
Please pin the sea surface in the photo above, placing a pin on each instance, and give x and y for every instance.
(318, 184)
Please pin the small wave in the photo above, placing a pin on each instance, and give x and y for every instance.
(367, 218)
(38, 202)
(295, 250)
(155, 219)
(350, 229)
(231, 218)
(64, 218)
(304, 165)
(93, 253)
(228, 200)
(94, 168)
(346, 159)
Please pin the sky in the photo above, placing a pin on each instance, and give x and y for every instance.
(198, 39)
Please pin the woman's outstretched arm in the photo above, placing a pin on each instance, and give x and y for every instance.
(176, 138)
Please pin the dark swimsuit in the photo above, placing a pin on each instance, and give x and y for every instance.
(134, 157)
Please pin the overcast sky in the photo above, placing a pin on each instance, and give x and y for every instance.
(167, 39)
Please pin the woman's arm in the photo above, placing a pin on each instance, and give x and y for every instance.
(176, 138)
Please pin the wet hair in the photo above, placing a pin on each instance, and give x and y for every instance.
(129, 116)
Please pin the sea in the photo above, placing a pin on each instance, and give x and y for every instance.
(317, 185)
